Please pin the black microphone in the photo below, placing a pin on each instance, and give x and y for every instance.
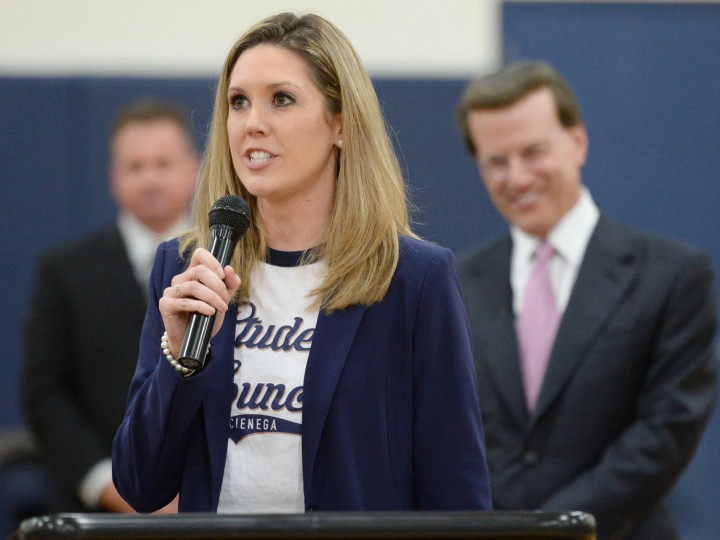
(229, 219)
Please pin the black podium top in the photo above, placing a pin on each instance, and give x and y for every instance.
(319, 525)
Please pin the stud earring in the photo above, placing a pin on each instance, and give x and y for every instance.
(339, 143)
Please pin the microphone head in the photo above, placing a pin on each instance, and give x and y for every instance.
(231, 211)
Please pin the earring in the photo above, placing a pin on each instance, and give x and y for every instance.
(339, 143)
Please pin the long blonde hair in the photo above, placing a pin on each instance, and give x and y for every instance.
(370, 207)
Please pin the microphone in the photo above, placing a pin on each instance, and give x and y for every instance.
(229, 219)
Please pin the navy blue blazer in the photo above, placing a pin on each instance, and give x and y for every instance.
(391, 419)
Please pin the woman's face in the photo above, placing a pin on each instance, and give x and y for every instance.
(282, 136)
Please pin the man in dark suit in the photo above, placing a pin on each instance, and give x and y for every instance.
(593, 342)
(88, 306)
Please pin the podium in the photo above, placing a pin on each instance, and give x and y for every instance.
(316, 525)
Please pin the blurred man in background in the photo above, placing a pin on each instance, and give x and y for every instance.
(594, 343)
(88, 306)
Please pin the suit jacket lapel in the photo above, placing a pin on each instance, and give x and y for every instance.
(334, 334)
(608, 270)
(496, 324)
(120, 272)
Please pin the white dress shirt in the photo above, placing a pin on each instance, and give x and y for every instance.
(142, 242)
(569, 237)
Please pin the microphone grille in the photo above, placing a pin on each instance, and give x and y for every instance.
(232, 211)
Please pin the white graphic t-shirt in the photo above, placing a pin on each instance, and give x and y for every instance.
(263, 470)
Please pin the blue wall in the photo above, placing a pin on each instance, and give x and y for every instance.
(53, 163)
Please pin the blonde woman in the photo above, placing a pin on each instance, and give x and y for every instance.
(340, 375)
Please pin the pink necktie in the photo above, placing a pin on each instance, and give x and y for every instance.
(537, 324)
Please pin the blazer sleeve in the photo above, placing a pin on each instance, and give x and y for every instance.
(449, 449)
(673, 406)
(150, 445)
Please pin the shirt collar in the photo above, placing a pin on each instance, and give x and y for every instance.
(141, 241)
(569, 237)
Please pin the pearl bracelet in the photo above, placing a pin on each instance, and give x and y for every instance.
(165, 346)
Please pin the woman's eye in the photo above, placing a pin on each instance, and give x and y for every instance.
(238, 102)
(282, 99)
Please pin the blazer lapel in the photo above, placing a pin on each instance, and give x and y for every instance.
(608, 270)
(223, 345)
(334, 334)
(495, 324)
